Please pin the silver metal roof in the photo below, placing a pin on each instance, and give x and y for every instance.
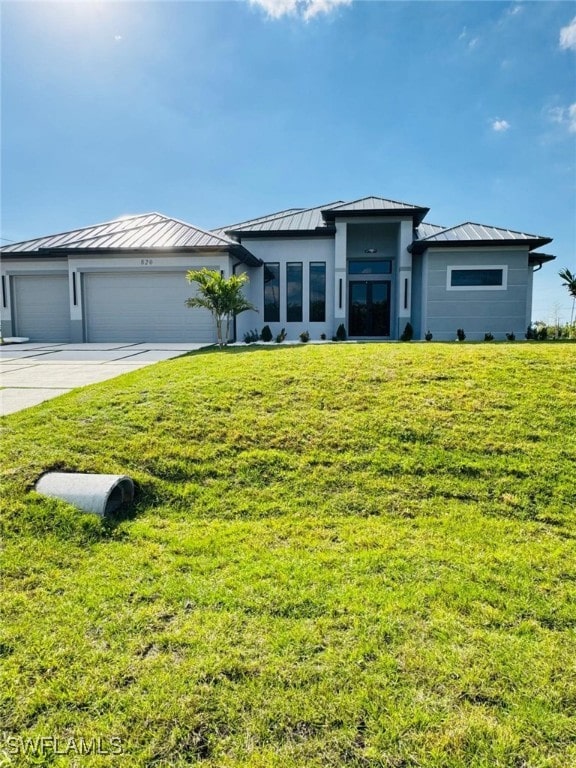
(374, 204)
(306, 219)
(427, 230)
(150, 230)
(471, 233)
(259, 220)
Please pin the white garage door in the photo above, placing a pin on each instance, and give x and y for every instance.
(41, 307)
(142, 307)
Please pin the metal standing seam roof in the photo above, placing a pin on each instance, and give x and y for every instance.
(152, 230)
(303, 219)
(259, 220)
(374, 203)
(321, 217)
(427, 230)
(471, 233)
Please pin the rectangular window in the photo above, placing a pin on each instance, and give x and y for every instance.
(317, 291)
(294, 292)
(272, 293)
(490, 277)
(369, 267)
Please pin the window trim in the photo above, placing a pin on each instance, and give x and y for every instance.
(481, 267)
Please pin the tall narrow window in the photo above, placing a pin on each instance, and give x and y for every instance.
(317, 291)
(272, 293)
(294, 292)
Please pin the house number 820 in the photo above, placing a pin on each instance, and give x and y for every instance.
(146, 262)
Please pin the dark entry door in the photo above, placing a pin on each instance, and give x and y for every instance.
(369, 308)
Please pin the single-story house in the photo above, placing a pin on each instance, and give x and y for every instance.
(372, 265)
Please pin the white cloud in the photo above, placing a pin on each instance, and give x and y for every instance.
(568, 36)
(565, 116)
(500, 125)
(118, 38)
(305, 9)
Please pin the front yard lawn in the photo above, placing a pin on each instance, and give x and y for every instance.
(340, 555)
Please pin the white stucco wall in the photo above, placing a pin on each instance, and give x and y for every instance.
(284, 251)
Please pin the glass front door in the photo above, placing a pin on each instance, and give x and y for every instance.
(369, 308)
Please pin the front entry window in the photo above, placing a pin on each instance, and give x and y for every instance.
(369, 308)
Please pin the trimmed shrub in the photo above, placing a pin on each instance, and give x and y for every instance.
(341, 333)
(407, 333)
(266, 334)
(428, 336)
(460, 335)
(488, 337)
(304, 337)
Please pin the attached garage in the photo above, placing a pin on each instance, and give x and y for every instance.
(142, 307)
(127, 281)
(41, 307)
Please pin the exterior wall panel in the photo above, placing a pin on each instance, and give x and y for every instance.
(477, 311)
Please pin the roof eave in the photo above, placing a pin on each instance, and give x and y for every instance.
(540, 258)
(267, 233)
(419, 246)
(416, 214)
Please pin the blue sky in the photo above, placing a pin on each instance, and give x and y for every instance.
(214, 112)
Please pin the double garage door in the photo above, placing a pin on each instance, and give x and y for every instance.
(142, 307)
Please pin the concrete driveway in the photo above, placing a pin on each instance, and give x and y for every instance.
(31, 373)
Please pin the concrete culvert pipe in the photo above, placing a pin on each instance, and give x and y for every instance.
(100, 494)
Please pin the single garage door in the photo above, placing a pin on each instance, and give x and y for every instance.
(41, 307)
(142, 307)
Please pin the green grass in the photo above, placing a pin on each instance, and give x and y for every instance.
(340, 555)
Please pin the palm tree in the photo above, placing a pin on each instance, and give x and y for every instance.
(221, 296)
(570, 283)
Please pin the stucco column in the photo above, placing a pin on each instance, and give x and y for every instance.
(340, 273)
(76, 302)
(404, 285)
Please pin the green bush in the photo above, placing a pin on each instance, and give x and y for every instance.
(266, 334)
(407, 333)
(304, 337)
(341, 333)
(251, 336)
